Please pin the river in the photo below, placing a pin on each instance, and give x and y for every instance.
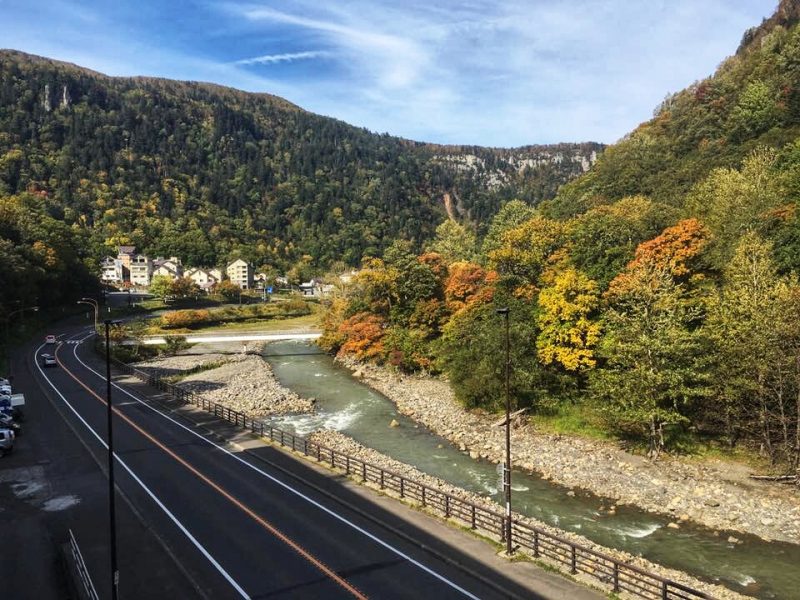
(755, 567)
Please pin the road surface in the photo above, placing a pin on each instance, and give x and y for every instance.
(244, 524)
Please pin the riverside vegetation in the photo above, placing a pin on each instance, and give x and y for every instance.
(657, 296)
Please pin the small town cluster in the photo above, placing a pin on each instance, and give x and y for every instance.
(137, 271)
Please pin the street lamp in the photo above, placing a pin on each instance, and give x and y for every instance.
(507, 472)
(7, 341)
(94, 305)
(112, 509)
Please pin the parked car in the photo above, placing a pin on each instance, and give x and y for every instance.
(48, 360)
(6, 441)
(7, 422)
(50, 339)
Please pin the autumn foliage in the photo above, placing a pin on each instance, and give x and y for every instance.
(675, 252)
(363, 334)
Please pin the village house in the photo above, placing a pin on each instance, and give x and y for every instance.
(141, 270)
(111, 270)
(205, 279)
(240, 273)
(170, 267)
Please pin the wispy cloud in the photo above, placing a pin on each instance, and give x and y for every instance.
(269, 59)
(477, 72)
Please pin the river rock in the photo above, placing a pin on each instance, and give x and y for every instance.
(394, 423)
(670, 485)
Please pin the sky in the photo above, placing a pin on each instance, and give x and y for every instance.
(478, 72)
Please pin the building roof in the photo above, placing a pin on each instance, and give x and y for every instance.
(127, 249)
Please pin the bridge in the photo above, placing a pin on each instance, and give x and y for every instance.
(239, 337)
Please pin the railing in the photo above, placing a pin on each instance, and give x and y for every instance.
(616, 575)
(83, 573)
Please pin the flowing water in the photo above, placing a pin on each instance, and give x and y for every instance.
(754, 567)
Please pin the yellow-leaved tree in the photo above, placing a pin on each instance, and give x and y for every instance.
(568, 332)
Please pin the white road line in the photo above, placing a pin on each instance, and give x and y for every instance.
(155, 499)
(286, 486)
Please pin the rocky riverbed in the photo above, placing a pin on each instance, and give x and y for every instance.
(238, 380)
(715, 494)
(342, 443)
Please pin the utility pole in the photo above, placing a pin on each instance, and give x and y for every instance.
(112, 509)
(507, 471)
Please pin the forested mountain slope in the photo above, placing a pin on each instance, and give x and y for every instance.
(657, 297)
(207, 173)
(752, 101)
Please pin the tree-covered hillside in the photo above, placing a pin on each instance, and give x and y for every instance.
(657, 297)
(752, 101)
(207, 173)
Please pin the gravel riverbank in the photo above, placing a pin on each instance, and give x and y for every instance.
(342, 443)
(715, 494)
(241, 381)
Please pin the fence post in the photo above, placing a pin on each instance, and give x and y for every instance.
(616, 577)
(573, 567)
(333, 458)
(446, 506)
(423, 495)
(305, 446)
(474, 524)
(536, 544)
(663, 590)
(347, 464)
(401, 487)
(381, 478)
(318, 453)
(363, 471)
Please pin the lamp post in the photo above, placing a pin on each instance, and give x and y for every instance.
(95, 305)
(507, 471)
(112, 509)
(7, 340)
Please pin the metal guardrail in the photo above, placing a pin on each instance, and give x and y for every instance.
(83, 572)
(618, 576)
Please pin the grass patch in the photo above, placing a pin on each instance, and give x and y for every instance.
(572, 419)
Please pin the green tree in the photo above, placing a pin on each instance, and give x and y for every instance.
(753, 326)
(510, 216)
(184, 287)
(734, 202)
(227, 289)
(472, 353)
(161, 286)
(454, 242)
(652, 371)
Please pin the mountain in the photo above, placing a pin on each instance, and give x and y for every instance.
(207, 172)
(752, 102)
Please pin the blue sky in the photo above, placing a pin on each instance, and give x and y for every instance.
(485, 72)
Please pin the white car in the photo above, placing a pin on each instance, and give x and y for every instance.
(48, 360)
(50, 339)
(6, 441)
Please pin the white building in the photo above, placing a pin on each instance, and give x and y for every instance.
(204, 279)
(111, 270)
(240, 273)
(141, 270)
(170, 267)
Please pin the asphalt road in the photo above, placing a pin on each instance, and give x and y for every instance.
(222, 524)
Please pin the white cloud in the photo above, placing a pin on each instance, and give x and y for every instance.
(279, 58)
